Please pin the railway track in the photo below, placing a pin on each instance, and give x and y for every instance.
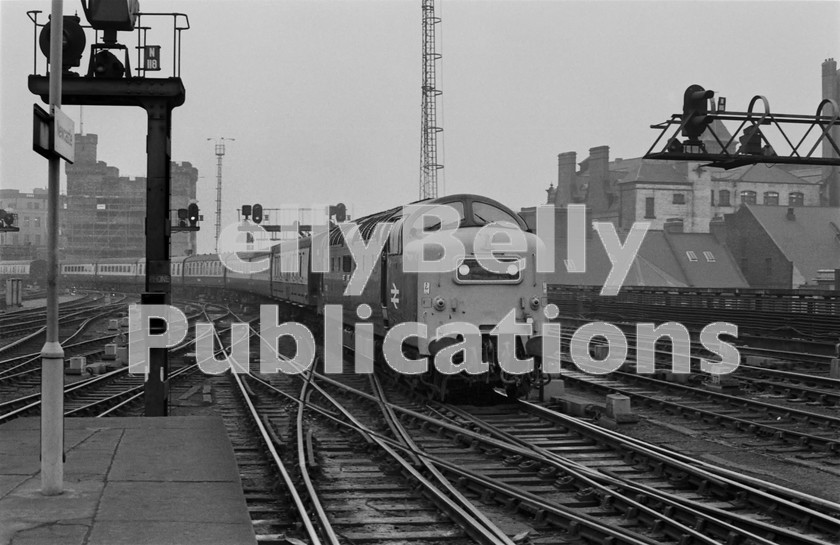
(573, 457)
(102, 395)
(536, 497)
(359, 488)
(22, 374)
(69, 328)
(799, 430)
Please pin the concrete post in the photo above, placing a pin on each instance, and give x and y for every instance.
(52, 355)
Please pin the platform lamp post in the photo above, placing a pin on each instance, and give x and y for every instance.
(52, 354)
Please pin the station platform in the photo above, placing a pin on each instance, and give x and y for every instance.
(132, 481)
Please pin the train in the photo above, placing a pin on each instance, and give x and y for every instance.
(396, 292)
(31, 271)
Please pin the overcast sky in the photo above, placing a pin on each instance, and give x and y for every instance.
(323, 97)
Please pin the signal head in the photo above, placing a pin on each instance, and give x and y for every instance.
(695, 112)
(339, 211)
(112, 14)
(257, 213)
(73, 38)
(106, 65)
(192, 214)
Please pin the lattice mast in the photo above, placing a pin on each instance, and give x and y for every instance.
(220, 153)
(429, 130)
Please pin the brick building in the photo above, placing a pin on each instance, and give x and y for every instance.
(624, 191)
(106, 212)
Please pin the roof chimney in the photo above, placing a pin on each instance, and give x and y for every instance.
(717, 228)
(566, 174)
(791, 215)
(599, 174)
(551, 192)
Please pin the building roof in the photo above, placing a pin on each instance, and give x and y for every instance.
(648, 170)
(705, 262)
(662, 261)
(761, 173)
(811, 240)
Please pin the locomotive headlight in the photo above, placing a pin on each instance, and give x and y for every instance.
(439, 303)
(535, 302)
(464, 269)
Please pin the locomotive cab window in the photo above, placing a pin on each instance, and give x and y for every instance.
(484, 213)
(432, 223)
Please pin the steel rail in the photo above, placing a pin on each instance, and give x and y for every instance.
(723, 524)
(711, 475)
(278, 462)
(34, 400)
(791, 500)
(576, 523)
(630, 504)
(326, 525)
(473, 527)
(805, 439)
(402, 436)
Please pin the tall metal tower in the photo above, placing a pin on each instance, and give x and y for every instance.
(220, 152)
(429, 130)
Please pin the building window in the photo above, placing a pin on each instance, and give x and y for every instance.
(649, 208)
(679, 198)
(723, 197)
(713, 197)
(796, 199)
(710, 257)
(691, 255)
(771, 198)
(748, 197)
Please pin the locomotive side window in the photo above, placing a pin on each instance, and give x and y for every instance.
(395, 244)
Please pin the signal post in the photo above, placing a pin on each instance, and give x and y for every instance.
(104, 85)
